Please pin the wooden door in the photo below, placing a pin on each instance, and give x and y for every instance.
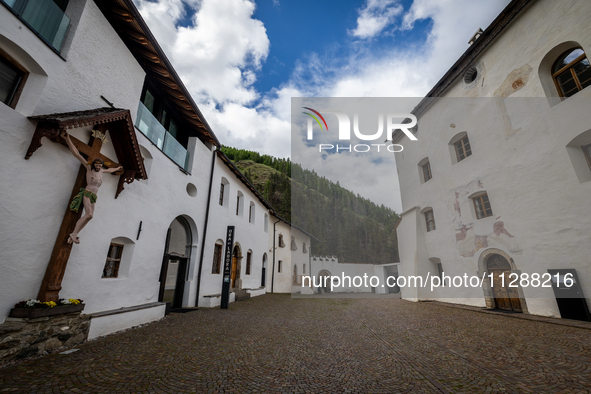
(506, 298)
(234, 264)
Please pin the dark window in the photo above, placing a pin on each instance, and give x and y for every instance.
(427, 171)
(440, 271)
(111, 269)
(463, 148)
(571, 72)
(304, 269)
(279, 266)
(281, 243)
(222, 194)
(482, 206)
(430, 220)
(587, 152)
(12, 78)
(248, 256)
(217, 259)
(237, 204)
(304, 249)
(250, 213)
(294, 246)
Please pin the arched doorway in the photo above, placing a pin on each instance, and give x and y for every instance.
(177, 253)
(236, 259)
(264, 273)
(324, 278)
(506, 298)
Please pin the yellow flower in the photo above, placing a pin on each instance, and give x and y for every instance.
(50, 304)
(73, 301)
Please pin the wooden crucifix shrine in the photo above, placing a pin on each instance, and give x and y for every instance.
(118, 123)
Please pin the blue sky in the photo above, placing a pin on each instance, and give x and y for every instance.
(243, 61)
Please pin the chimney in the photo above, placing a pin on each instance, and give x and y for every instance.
(475, 36)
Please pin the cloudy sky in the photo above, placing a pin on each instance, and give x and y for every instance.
(244, 60)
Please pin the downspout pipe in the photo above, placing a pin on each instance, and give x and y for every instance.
(273, 272)
(214, 154)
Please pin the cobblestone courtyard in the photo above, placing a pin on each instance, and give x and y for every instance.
(277, 344)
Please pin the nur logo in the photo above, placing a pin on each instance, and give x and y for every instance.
(344, 122)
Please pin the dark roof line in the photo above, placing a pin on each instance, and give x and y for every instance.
(294, 226)
(459, 67)
(243, 179)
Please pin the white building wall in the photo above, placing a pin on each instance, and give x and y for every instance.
(35, 193)
(519, 157)
(249, 236)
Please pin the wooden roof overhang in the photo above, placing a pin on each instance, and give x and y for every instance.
(121, 131)
(133, 30)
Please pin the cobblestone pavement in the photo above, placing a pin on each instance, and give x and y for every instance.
(277, 344)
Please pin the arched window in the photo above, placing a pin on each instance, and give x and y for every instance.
(459, 147)
(224, 192)
(571, 72)
(295, 274)
(294, 246)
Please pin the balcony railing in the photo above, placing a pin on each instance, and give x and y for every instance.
(151, 128)
(44, 17)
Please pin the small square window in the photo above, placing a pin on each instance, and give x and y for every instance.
(463, 148)
(248, 258)
(12, 78)
(427, 171)
(440, 271)
(222, 194)
(482, 206)
(217, 259)
(111, 269)
(587, 152)
(430, 220)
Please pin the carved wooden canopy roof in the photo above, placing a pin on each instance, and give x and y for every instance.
(121, 131)
(133, 30)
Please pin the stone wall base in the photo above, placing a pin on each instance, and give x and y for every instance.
(21, 338)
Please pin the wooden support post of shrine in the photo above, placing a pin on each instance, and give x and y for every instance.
(121, 130)
(56, 268)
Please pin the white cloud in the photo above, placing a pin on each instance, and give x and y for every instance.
(221, 50)
(375, 17)
(218, 54)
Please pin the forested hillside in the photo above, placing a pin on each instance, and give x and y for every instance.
(347, 225)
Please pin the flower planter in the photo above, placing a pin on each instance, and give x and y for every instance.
(30, 313)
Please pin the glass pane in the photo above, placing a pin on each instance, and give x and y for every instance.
(172, 128)
(567, 83)
(163, 118)
(566, 59)
(47, 19)
(173, 149)
(170, 284)
(583, 70)
(149, 101)
(149, 126)
(9, 78)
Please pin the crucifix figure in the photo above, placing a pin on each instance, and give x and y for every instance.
(87, 196)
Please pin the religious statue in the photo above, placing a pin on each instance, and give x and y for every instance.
(87, 196)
